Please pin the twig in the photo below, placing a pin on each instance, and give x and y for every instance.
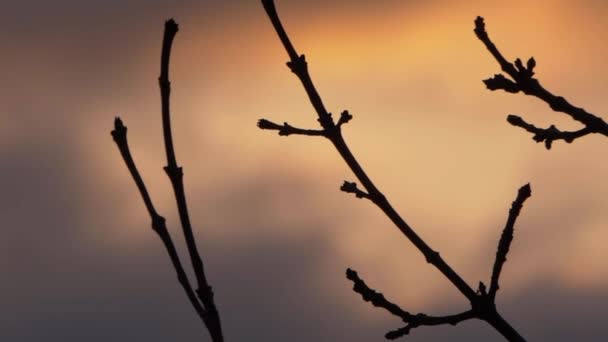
(351, 188)
(413, 320)
(175, 174)
(287, 130)
(206, 308)
(522, 80)
(548, 135)
(507, 237)
(482, 308)
(158, 222)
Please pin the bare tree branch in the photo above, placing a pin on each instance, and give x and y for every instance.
(548, 135)
(413, 320)
(158, 222)
(287, 130)
(206, 308)
(507, 237)
(333, 133)
(351, 188)
(481, 306)
(175, 174)
(522, 80)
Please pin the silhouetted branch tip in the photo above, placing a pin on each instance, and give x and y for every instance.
(376, 298)
(523, 193)
(351, 188)
(267, 124)
(171, 26)
(480, 27)
(522, 80)
(499, 81)
(287, 129)
(506, 238)
(120, 131)
(528, 70)
(401, 332)
(547, 135)
(413, 320)
(345, 117)
(204, 304)
(482, 289)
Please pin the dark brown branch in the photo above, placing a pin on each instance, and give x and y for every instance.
(522, 80)
(299, 67)
(158, 222)
(413, 320)
(175, 174)
(351, 188)
(507, 237)
(286, 129)
(548, 135)
(375, 195)
(345, 117)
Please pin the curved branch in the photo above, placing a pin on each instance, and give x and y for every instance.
(507, 237)
(522, 80)
(119, 134)
(299, 67)
(548, 135)
(413, 320)
(175, 174)
(206, 308)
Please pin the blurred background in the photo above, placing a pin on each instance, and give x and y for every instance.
(78, 260)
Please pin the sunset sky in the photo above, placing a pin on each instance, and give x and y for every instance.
(79, 262)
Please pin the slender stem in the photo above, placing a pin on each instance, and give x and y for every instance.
(481, 307)
(523, 81)
(175, 174)
(377, 197)
(506, 238)
(158, 222)
(380, 200)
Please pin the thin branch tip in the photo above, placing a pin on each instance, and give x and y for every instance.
(345, 117)
(522, 80)
(286, 129)
(480, 26)
(351, 274)
(351, 188)
(525, 192)
(119, 133)
(171, 26)
(499, 81)
(506, 238)
(118, 124)
(267, 124)
(550, 134)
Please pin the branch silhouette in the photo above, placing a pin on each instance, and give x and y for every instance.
(522, 80)
(482, 304)
(203, 301)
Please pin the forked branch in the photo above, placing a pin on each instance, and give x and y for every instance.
(119, 134)
(522, 80)
(412, 320)
(481, 305)
(205, 304)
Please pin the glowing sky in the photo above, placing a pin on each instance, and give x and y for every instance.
(79, 261)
